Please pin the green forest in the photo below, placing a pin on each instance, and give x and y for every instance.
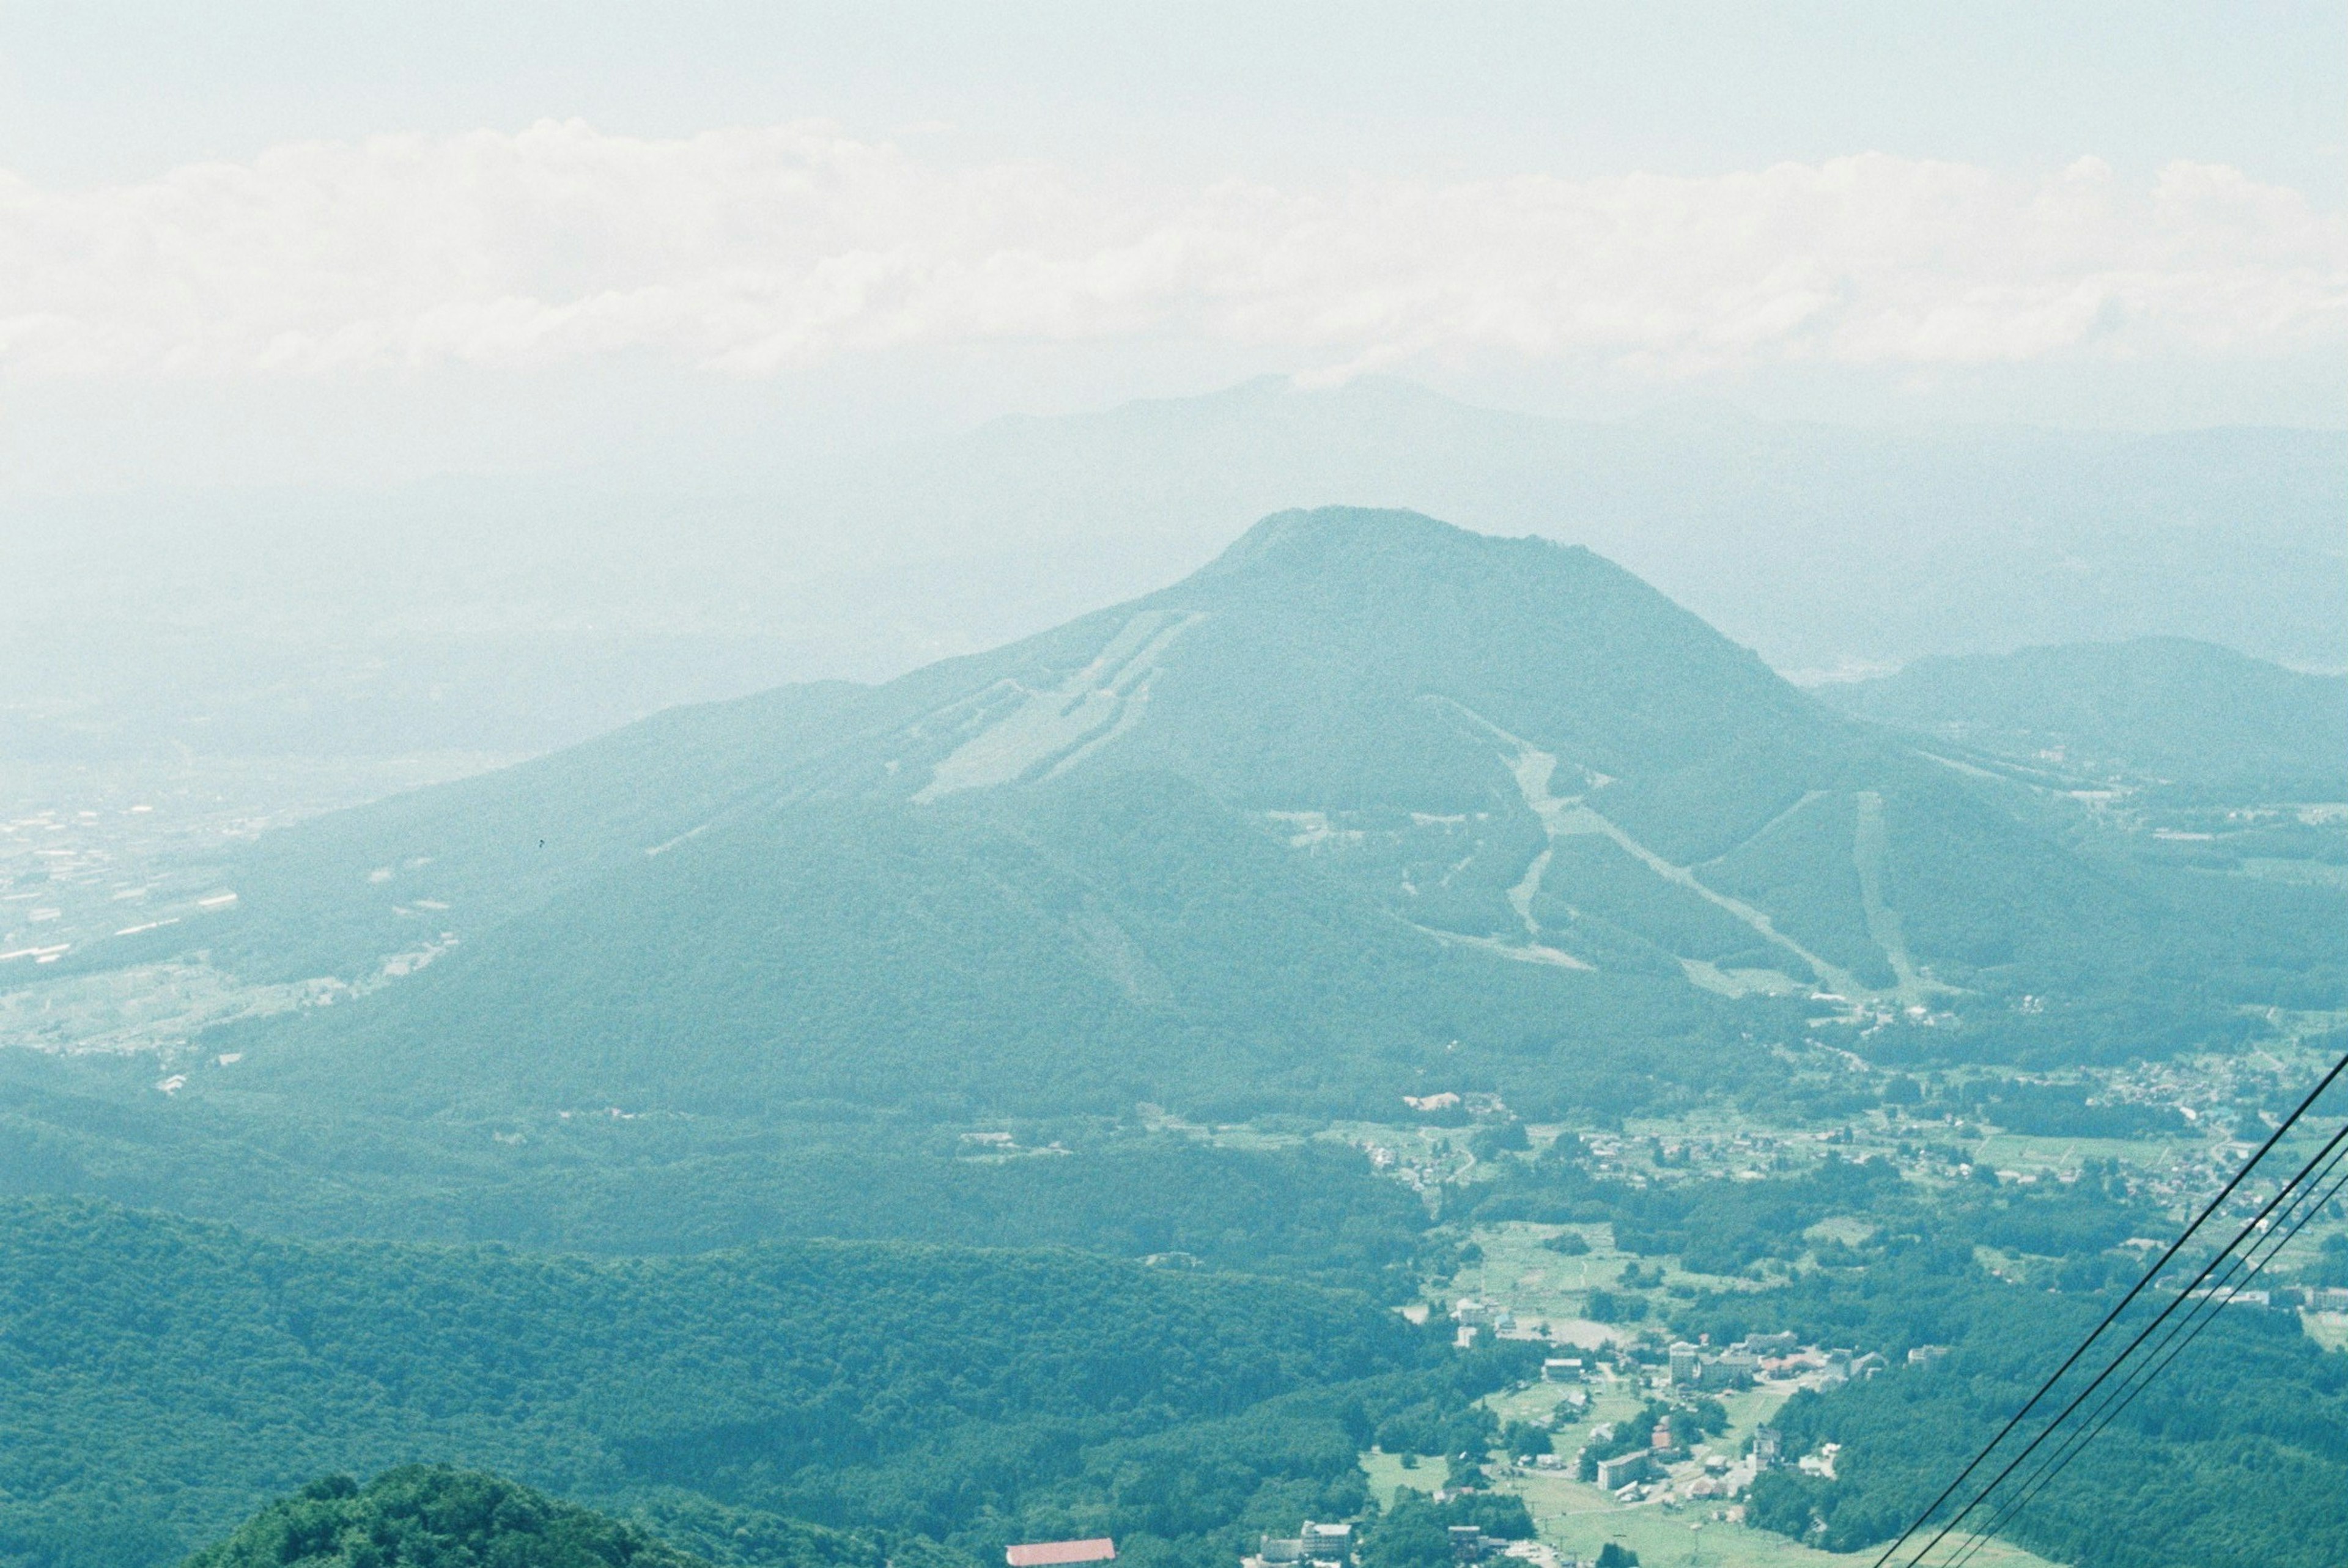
(422, 1516)
(962, 1395)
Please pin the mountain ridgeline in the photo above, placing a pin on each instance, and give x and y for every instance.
(1368, 806)
(2189, 714)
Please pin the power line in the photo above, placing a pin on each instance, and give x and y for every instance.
(2134, 1291)
(2047, 1474)
(2118, 1400)
(2201, 1279)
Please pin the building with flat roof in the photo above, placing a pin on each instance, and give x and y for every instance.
(1053, 1553)
(1619, 1471)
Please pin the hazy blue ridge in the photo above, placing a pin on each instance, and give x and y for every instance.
(2165, 708)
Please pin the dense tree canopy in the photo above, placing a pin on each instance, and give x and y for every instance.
(433, 1517)
(969, 1396)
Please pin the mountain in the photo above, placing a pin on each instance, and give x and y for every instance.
(160, 1379)
(1369, 806)
(2157, 708)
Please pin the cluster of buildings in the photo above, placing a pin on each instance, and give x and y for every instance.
(1319, 1546)
(2290, 1298)
(1316, 1545)
(1699, 1369)
(1470, 1544)
(1478, 1320)
(1661, 1470)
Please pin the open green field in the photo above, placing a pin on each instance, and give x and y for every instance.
(2031, 1155)
(2329, 1329)
(1578, 1521)
(1551, 1288)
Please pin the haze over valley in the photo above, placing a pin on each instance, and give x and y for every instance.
(1331, 788)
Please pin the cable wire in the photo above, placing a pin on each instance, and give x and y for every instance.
(2250, 1227)
(2118, 1400)
(2205, 1313)
(2157, 1269)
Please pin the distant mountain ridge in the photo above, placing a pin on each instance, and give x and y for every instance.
(510, 615)
(2164, 708)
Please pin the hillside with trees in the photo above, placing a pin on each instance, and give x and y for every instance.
(963, 1396)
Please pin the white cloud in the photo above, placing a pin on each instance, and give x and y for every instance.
(749, 250)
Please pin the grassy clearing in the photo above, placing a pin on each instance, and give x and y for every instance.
(1579, 1521)
(1848, 1229)
(2329, 1329)
(1388, 1474)
(2023, 1152)
(1550, 1287)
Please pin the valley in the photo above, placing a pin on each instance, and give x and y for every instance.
(1095, 1087)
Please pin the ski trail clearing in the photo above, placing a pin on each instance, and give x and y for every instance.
(1883, 925)
(1090, 708)
(1563, 816)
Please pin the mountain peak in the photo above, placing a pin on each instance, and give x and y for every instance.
(1320, 540)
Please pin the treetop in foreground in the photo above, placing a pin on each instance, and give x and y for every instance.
(431, 1516)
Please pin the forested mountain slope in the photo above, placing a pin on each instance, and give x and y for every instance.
(665, 1184)
(1368, 804)
(948, 1392)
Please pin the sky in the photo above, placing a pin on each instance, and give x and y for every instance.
(270, 243)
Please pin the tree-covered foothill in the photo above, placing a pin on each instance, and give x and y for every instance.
(1713, 1226)
(165, 1377)
(665, 1185)
(2057, 1111)
(425, 1516)
(2167, 706)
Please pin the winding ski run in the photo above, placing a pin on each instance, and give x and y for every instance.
(1563, 816)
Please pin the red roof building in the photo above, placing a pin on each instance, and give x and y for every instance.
(1050, 1553)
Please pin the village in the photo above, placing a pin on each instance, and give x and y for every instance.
(1611, 1492)
(1670, 1491)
